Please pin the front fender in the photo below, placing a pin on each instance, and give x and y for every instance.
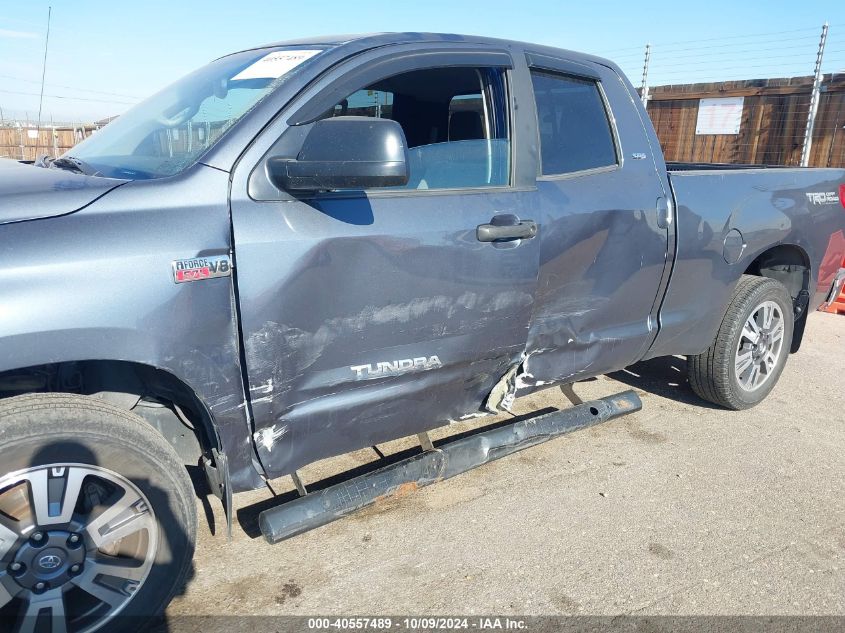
(98, 285)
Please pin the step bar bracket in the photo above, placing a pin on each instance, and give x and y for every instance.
(448, 459)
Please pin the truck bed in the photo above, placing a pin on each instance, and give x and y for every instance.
(728, 215)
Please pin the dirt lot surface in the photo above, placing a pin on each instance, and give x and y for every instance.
(681, 508)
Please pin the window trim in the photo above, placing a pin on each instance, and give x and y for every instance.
(385, 67)
(535, 64)
(405, 193)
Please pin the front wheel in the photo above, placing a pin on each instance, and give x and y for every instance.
(97, 517)
(749, 352)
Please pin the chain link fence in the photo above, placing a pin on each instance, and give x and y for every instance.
(774, 98)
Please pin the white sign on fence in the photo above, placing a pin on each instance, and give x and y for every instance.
(719, 116)
(32, 133)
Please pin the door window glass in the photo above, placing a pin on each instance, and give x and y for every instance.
(454, 120)
(575, 131)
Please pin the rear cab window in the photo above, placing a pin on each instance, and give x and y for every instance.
(573, 124)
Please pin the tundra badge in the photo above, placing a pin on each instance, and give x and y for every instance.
(199, 268)
(386, 368)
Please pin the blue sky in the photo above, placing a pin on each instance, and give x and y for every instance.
(103, 56)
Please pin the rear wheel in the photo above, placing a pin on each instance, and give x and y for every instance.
(97, 517)
(750, 350)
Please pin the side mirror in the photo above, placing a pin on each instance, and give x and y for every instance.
(347, 152)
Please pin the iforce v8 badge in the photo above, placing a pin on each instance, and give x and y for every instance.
(201, 268)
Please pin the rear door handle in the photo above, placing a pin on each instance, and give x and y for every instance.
(524, 230)
(664, 213)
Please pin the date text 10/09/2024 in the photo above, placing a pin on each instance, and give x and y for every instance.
(417, 624)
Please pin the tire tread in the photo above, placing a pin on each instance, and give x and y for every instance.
(709, 373)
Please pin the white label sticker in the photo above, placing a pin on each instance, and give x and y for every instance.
(274, 65)
(719, 116)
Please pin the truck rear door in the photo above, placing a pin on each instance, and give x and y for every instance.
(606, 233)
(372, 315)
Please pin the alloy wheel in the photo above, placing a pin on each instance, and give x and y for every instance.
(76, 543)
(760, 346)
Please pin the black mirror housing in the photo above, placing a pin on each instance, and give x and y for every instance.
(347, 152)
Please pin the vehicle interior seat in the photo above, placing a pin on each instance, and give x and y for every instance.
(465, 125)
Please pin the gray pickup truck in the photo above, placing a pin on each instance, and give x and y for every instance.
(312, 247)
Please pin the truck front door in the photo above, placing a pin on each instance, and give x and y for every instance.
(368, 316)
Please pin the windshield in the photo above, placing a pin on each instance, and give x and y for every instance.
(166, 133)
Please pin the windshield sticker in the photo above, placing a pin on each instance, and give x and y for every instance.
(276, 64)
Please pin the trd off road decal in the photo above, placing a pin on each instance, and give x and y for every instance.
(822, 197)
(199, 268)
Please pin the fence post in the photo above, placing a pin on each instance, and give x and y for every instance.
(55, 137)
(814, 101)
(644, 87)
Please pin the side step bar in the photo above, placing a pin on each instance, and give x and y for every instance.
(445, 461)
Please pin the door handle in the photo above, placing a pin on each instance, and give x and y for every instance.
(524, 230)
(664, 213)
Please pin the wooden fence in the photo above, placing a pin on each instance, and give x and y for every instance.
(774, 119)
(22, 141)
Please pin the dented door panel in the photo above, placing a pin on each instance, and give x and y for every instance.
(604, 257)
(366, 319)
(601, 265)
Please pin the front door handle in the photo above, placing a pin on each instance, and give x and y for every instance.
(524, 230)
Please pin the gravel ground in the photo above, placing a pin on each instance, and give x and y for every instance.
(681, 509)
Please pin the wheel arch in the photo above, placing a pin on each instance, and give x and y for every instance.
(165, 401)
(790, 265)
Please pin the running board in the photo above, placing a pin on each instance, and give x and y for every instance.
(445, 461)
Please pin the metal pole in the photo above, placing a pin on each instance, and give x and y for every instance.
(43, 74)
(814, 101)
(644, 88)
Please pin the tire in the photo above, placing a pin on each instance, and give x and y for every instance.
(113, 559)
(715, 375)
